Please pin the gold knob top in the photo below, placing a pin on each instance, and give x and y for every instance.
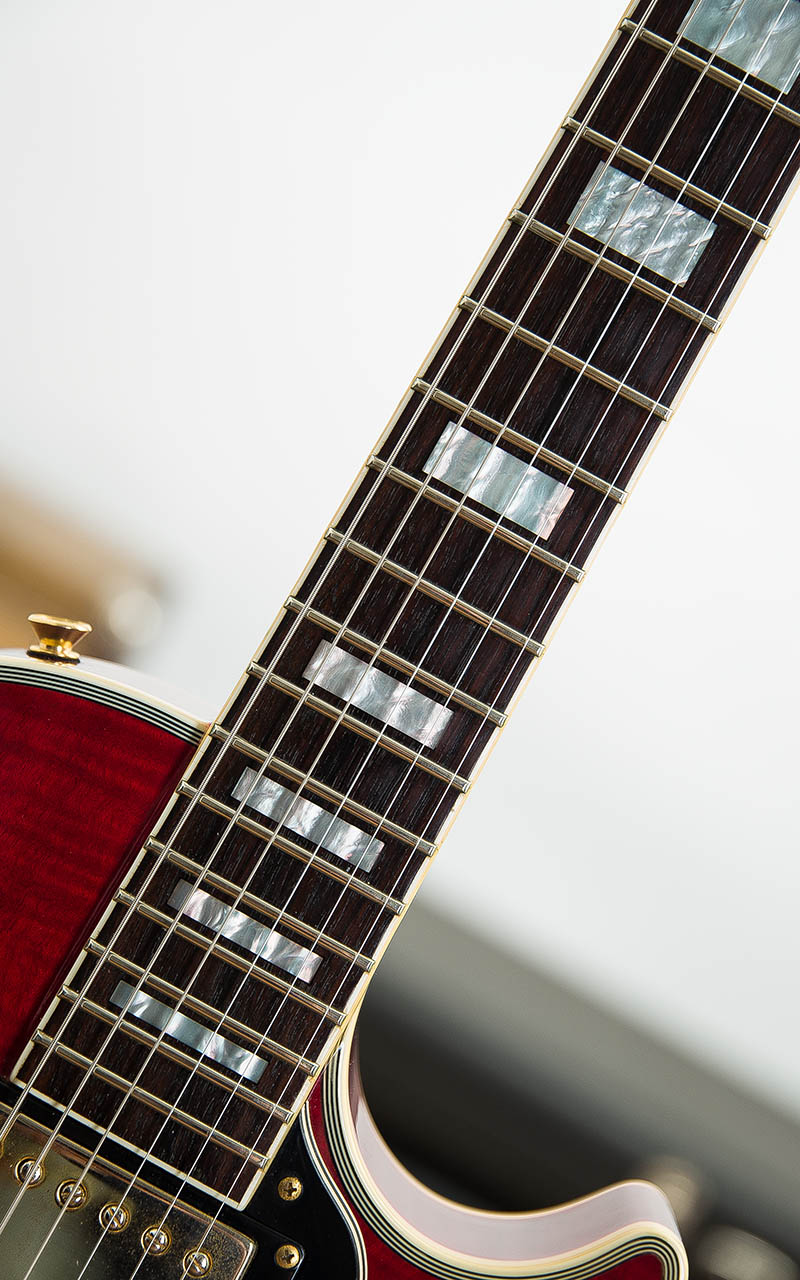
(57, 637)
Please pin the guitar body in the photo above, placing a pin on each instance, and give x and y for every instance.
(86, 764)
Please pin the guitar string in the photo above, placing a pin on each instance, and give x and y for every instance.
(708, 144)
(571, 146)
(177, 1194)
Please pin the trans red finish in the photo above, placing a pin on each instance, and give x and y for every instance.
(384, 1262)
(80, 786)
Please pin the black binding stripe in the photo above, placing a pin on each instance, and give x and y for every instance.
(130, 705)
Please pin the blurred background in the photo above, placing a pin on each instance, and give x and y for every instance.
(228, 235)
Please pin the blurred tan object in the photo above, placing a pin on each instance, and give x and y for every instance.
(51, 564)
(684, 1186)
(726, 1253)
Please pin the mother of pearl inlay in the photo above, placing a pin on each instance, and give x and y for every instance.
(369, 689)
(308, 820)
(640, 222)
(237, 927)
(193, 1034)
(761, 37)
(496, 478)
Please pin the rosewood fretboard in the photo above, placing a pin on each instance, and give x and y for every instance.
(317, 800)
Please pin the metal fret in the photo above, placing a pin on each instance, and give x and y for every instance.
(427, 588)
(257, 936)
(393, 659)
(200, 1066)
(340, 874)
(761, 38)
(377, 736)
(221, 952)
(287, 809)
(604, 264)
(669, 179)
(311, 784)
(582, 367)
(118, 961)
(480, 521)
(251, 900)
(511, 436)
(150, 1100)
(741, 87)
(365, 687)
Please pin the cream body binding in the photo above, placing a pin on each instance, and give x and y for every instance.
(584, 1237)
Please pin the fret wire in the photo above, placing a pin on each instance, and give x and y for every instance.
(716, 74)
(378, 736)
(525, 545)
(255, 903)
(609, 77)
(125, 965)
(151, 1100)
(549, 348)
(395, 905)
(392, 659)
(287, 770)
(508, 434)
(201, 1066)
(221, 952)
(425, 587)
(300, 694)
(657, 171)
(578, 250)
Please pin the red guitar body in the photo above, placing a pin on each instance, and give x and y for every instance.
(86, 763)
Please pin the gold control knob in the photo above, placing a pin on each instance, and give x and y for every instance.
(57, 637)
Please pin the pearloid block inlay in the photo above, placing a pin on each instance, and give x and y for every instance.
(308, 820)
(637, 220)
(234, 925)
(496, 478)
(761, 37)
(382, 696)
(193, 1034)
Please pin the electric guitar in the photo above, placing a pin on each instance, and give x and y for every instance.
(192, 912)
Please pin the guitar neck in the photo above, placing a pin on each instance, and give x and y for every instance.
(244, 937)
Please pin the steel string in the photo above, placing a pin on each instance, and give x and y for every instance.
(412, 677)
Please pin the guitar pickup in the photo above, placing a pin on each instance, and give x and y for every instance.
(68, 1215)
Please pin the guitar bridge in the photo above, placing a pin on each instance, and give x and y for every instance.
(68, 1217)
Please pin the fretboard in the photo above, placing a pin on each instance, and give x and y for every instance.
(210, 999)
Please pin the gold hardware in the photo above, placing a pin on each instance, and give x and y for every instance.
(56, 637)
(71, 1195)
(22, 1169)
(121, 1209)
(290, 1188)
(197, 1263)
(114, 1218)
(156, 1240)
(287, 1256)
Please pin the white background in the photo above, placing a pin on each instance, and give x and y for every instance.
(228, 234)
